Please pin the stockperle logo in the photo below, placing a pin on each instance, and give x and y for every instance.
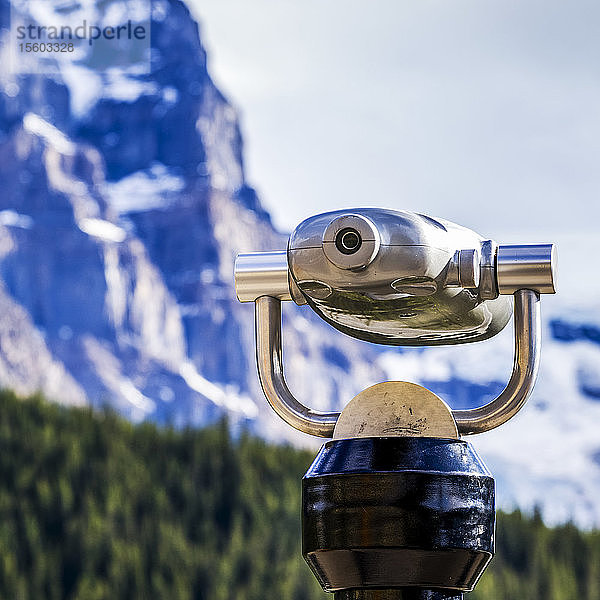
(49, 36)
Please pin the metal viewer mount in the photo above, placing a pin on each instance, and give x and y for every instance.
(396, 506)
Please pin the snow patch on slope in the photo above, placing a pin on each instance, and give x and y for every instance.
(227, 398)
(150, 189)
(26, 363)
(11, 218)
(103, 230)
(36, 125)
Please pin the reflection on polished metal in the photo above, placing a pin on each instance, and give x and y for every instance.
(364, 241)
(270, 371)
(416, 284)
(260, 271)
(528, 336)
(386, 513)
(265, 274)
(397, 594)
(468, 268)
(399, 278)
(488, 284)
(498, 411)
(530, 266)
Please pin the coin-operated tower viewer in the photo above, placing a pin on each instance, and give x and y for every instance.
(397, 505)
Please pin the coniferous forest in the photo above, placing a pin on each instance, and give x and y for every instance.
(93, 507)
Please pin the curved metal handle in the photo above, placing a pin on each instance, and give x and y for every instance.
(270, 372)
(528, 337)
(495, 413)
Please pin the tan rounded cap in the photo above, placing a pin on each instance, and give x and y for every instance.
(396, 409)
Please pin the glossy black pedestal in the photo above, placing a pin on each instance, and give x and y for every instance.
(398, 594)
(398, 518)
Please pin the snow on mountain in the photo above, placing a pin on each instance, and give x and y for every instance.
(123, 205)
(25, 360)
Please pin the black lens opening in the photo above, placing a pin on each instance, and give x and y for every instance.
(348, 241)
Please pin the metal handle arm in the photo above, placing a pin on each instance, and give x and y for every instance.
(528, 335)
(525, 368)
(270, 372)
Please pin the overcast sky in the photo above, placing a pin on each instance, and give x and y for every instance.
(483, 112)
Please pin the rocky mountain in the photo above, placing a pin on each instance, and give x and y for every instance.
(122, 212)
(123, 203)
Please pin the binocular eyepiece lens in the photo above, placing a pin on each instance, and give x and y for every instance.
(348, 241)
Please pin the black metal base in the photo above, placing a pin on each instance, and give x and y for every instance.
(397, 594)
(398, 518)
